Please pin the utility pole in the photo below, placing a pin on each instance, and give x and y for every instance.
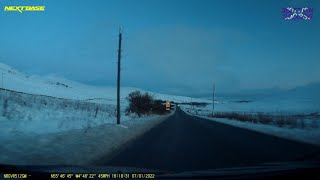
(213, 89)
(118, 78)
(2, 80)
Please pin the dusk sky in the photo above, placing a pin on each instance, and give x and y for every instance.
(169, 46)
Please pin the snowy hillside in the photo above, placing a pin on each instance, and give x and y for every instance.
(56, 86)
(63, 88)
(304, 99)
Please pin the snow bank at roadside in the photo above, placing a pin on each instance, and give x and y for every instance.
(311, 136)
(74, 147)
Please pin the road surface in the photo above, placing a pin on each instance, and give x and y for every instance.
(187, 143)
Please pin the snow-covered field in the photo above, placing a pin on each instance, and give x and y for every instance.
(304, 99)
(43, 114)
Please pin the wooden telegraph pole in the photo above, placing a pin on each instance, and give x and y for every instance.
(2, 80)
(213, 89)
(118, 78)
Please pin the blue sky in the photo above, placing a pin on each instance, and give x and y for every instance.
(170, 46)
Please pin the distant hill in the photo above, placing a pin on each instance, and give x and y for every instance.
(311, 90)
(55, 86)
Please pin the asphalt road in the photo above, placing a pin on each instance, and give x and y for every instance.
(187, 143)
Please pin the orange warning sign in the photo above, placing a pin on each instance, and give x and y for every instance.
(168, 104)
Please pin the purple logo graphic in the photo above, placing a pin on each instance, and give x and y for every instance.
(297, 13)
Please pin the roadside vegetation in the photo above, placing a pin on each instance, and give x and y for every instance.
(144, 104)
